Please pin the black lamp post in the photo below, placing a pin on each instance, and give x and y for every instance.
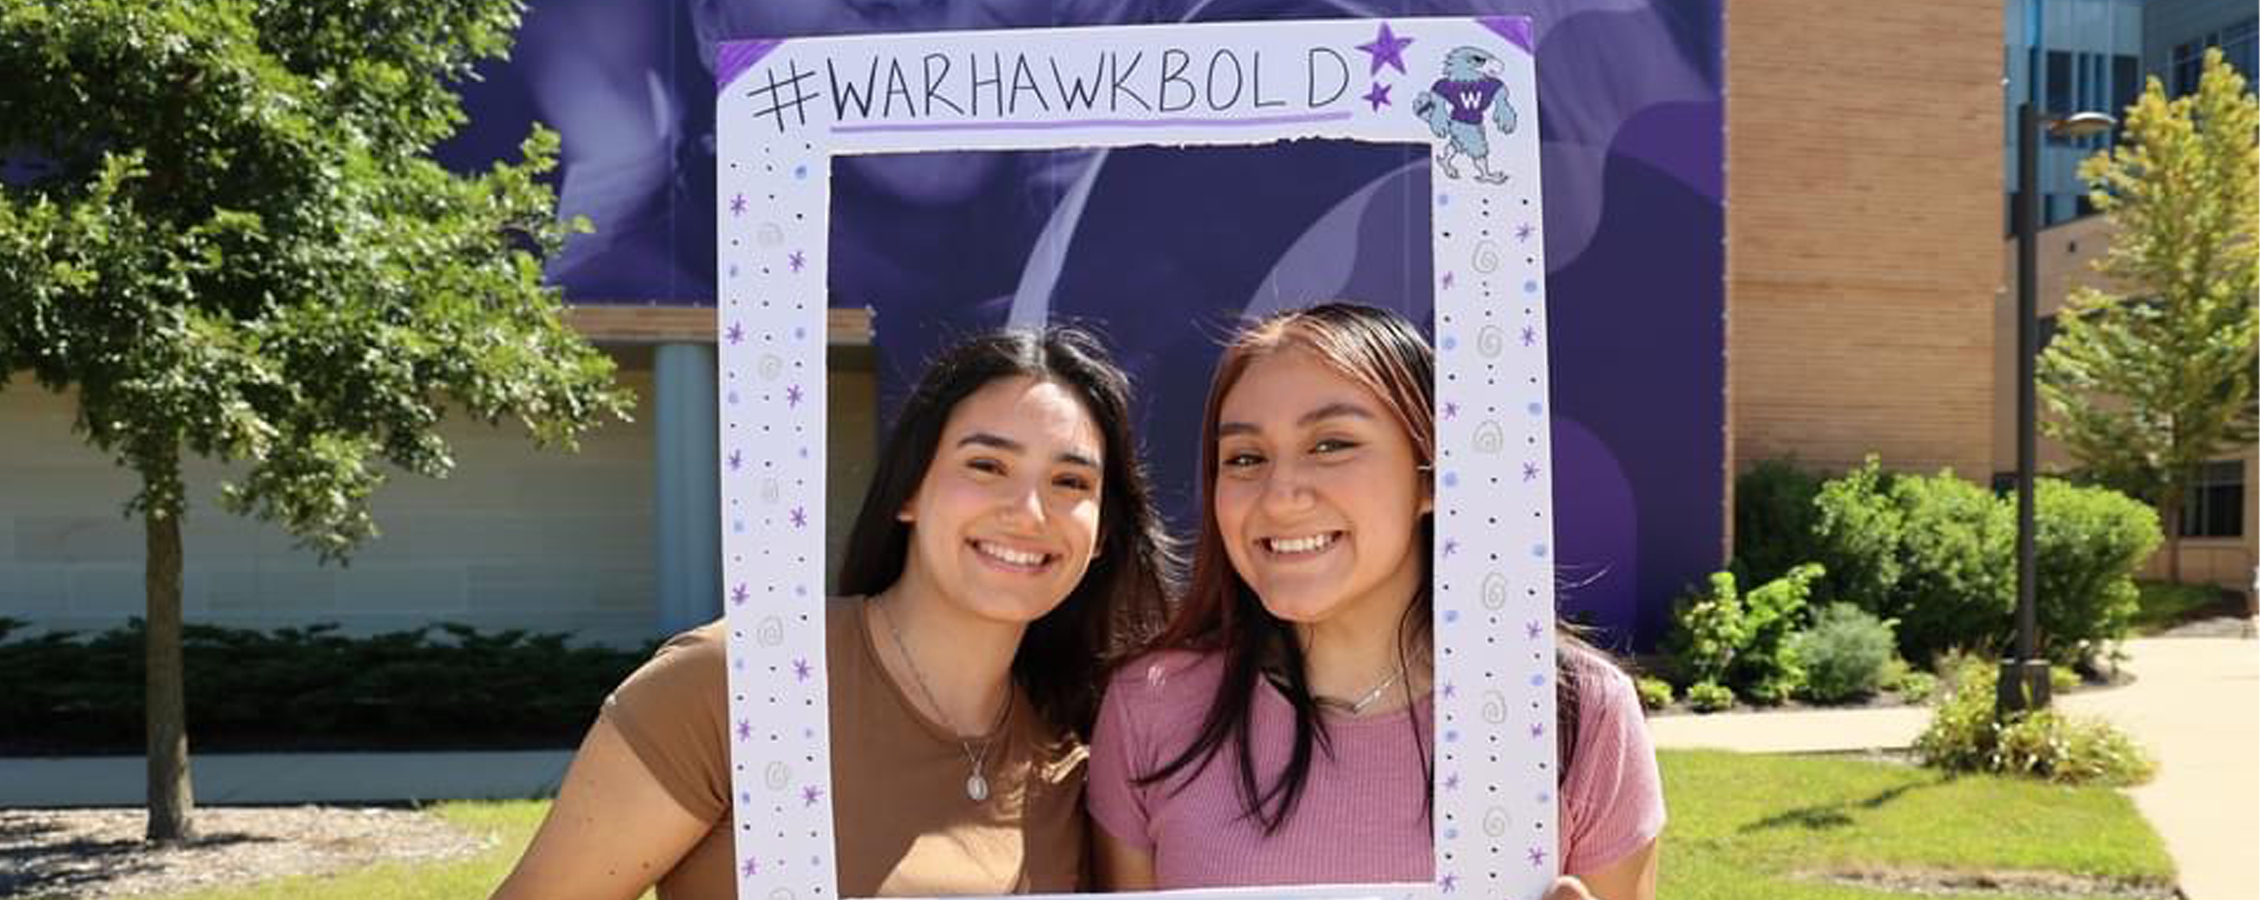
(2024, 677)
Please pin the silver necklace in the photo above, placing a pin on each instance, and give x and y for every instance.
(1358, 706)
(976, 784)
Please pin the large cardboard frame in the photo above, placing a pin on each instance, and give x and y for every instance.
(786, 107)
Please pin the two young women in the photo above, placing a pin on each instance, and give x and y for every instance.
(1275, 731)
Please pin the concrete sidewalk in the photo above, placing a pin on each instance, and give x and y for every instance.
(288, 778)
(2195, 704)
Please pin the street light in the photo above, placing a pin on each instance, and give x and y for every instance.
(2024, 678)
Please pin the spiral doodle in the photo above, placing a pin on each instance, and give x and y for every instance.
(771, 366)
(1494, 591)
(1486, 258)
(778, 776)
(1496, 821)
(1494, 707)
(1491, 342)
(770, 234)
(769, 490)
(771, 632)
(1488, 438)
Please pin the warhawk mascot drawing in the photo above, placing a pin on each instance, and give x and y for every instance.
(1454, 106)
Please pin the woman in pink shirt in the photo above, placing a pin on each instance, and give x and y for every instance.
(1280, 731)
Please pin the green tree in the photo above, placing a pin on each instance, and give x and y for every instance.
(223, 229)
(2146, 386)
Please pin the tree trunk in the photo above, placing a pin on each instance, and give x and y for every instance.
(2170, 514)
(172, 804)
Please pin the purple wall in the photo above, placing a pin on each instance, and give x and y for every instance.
(1165, 248)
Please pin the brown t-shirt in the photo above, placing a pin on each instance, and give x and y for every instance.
(903, 822)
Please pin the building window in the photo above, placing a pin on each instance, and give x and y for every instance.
(2238, 44)
(2215, 505)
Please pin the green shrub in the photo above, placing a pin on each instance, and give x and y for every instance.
(1655, 693)
(1845, 654)
(1856, 528)
(434, 687)
(1915, 685)
(1709, 696)
(1936, 554)
(1957, 579)
(2089, 542)
(1773, 520)
(1964, 736)
(1740, 640)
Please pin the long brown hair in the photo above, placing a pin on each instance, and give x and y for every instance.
(1065, 654)
(1219, 613)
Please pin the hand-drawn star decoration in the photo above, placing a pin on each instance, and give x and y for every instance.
(1387, 49)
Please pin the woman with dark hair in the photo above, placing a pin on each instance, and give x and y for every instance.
(1280, 732)
(1007, 546)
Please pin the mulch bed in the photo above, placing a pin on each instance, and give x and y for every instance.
(74, 853)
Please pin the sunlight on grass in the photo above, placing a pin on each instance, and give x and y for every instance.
(1741, 826)
(1749, 825)
(510, 824)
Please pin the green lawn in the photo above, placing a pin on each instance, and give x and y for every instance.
(2164, 606)
(1755, 826)
(1742, 826)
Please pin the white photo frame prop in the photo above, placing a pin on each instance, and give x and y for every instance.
(786, 107)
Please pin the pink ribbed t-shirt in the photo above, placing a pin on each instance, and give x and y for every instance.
(1361, 818)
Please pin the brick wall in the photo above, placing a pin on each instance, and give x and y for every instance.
(1864, 220)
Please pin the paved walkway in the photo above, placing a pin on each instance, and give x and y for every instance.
(288, 778)
(2195, 704)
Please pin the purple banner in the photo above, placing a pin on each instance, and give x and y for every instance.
(1164, 248)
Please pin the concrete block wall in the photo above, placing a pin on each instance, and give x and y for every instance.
(515, 538)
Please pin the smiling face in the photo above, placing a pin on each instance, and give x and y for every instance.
(1004, 521)
(1318, 491)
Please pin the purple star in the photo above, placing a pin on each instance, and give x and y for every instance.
(796, 260)
(1537, 729)
(737, 205)
(800, 517)
(1387, 49)
(1378, 96)
(745, 730)
(792, 396)
(738, 595)
(1529, 471)
(1531, 630)
(735, 334)
(1450, 690)
(1448, 883)
(1529, 336)
(736, 459)
(809, 795)
(751, 868)
(1447, 281)
(801, 670)
(1451, 410)
(1537, 856)
(1524, 231)
(1452, 782)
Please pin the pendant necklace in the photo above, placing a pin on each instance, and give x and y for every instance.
(1358, 706)
(976, 784)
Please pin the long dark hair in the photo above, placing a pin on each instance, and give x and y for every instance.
(1219, 613)
(1065, 654)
